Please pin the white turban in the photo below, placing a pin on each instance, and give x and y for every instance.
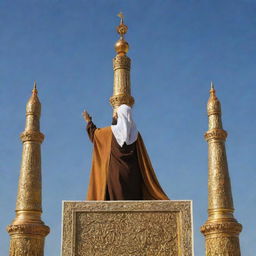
(125, 131)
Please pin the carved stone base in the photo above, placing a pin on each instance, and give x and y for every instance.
(135, 228)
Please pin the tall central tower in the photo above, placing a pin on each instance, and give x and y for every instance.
(121, 66)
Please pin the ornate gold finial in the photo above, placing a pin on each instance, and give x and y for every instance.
(122, 28)
(121, 45)
(213, 105)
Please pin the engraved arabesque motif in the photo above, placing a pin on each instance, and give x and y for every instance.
(121, 62)
(126, 234)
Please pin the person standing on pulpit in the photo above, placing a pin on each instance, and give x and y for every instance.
(121, 168)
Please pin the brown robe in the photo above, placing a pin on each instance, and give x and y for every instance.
(120, 173)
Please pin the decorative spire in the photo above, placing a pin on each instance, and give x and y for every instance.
(221, 230)
(34, 88)
(121, 66)
(28, 230)
(212, 85)
(122, 28)
(121, 45)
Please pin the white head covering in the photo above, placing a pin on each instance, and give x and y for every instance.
(125, 131)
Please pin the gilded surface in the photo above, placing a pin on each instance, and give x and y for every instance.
(127, 228)
(213, 106)
(219, 187)
(122, 83)
(221, 230)
(215, 122)
(211, 228)
(27, 230)
(26, 246)
(35, 229)
(222, 245)
(121, 62)
(215, 133)
(29, 190)
(32, 136)
(118, 100)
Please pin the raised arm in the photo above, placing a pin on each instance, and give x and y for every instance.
(91, 127)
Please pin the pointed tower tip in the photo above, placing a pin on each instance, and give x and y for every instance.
(212, 85)
(34, 91)
(121, 16)
(212, 89)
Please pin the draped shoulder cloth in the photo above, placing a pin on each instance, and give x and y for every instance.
(100, 165)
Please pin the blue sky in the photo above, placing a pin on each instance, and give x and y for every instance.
(177, 48)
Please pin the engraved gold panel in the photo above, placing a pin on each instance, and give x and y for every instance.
(127, 228)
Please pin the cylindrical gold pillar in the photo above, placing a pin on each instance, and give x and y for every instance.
(121, 66)
(28, 231)
(221, 230)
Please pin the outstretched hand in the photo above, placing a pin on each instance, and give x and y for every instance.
(86, 116)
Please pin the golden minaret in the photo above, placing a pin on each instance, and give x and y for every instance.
(221, 230)
(121, 66)
(28, 231)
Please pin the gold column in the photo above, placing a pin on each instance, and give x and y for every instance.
(121, 66)
(221, 230)
(28, 231)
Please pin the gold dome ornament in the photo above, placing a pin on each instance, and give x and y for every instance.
(121, 46)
